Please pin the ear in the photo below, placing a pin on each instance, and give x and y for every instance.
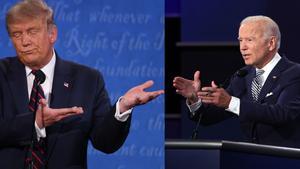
(272, 43)
(53, 33)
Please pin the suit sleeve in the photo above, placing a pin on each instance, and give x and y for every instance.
(13, 132)
(15, 128)
(107, 133)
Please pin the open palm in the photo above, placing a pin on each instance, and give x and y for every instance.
(188, 88)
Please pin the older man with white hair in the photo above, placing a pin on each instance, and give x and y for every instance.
(264, 95)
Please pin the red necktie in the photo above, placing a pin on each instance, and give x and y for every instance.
(36, 158)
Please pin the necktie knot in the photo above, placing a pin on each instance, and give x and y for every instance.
(259, 72)
(39, 76)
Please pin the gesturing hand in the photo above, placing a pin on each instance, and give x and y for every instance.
(188, 88)
(214, 95)
(137, 96)
(46, 116)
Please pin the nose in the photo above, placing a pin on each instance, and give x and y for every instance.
(26, 40)
(243, 46)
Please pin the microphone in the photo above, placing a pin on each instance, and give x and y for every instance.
(240, 73)
(196, 129)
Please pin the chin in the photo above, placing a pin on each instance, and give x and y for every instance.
(248, 63)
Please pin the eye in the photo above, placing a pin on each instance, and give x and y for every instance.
(33, 31)
(250, 39)
(16, 35)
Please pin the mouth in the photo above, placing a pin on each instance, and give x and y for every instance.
(27, 52)
(245, 56)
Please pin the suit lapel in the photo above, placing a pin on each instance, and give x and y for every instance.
(272, 78)
(61, 90)
(62, 85)
(17, 80)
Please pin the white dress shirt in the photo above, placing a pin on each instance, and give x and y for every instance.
(47, 88)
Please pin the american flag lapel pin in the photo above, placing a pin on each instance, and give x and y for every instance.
(66, 84)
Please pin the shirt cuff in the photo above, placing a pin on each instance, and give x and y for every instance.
(195, 106)
(234, 105)
(122, 116)
(41, 133)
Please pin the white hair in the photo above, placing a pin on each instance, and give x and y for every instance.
(270, 27)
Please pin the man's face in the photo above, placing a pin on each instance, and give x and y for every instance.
(256, 49)
(33, 42)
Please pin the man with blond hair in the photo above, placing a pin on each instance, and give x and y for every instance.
(36, 135)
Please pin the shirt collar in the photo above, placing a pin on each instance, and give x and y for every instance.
(47, 69)
(269, 67)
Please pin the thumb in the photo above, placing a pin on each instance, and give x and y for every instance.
(197, 76)
(43, 103)
(213, 84)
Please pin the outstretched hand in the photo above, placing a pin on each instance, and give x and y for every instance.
(46, 116)
(188, 88)
(137, 96)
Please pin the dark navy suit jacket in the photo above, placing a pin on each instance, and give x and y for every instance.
(67, 140)
(275, 119)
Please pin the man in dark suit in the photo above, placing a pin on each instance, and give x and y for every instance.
(265, 94)
(63, 127)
